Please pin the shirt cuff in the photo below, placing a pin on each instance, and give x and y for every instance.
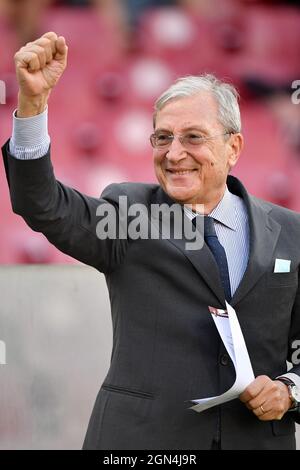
(30, 138)
(292, 377)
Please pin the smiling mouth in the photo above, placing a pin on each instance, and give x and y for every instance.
(180, 172)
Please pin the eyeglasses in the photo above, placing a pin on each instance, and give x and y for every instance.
(163, 140)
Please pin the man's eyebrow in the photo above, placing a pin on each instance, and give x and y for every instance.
(195, 128)
(188, 128)
(162, 129)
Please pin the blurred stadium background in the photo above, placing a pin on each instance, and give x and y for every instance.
(122, 54)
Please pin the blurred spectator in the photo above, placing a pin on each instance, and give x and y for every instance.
(288, 116)
(23, 16)
(136, 8)
(278, 98)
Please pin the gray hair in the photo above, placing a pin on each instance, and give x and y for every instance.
(225, 94)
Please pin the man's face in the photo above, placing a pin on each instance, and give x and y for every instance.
(194, 175)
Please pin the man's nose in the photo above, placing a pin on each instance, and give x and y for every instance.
(176, 150)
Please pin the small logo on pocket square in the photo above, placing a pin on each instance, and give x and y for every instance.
(282, 265)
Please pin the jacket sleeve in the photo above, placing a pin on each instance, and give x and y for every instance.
(65, 216)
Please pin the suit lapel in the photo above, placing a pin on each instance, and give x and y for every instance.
(264, 233)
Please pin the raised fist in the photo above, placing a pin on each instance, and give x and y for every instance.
(39, 65)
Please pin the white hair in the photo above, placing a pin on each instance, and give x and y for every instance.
(225, 95)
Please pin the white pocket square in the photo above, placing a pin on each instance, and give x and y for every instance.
(282, 265)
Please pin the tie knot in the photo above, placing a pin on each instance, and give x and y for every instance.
(209, 228)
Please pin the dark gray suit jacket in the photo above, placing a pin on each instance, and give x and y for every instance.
(166, 349)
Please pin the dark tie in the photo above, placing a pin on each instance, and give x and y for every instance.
(218, 251)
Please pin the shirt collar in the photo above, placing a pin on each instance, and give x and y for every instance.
(224, 212)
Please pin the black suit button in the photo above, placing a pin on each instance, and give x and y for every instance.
(224, 359)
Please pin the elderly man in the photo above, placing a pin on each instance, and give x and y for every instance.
(166, 348)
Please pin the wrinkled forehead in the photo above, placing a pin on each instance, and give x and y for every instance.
(199, 110)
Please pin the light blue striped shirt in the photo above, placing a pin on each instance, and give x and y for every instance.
(30, 138)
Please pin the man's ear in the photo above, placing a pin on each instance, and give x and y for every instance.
(236, 144)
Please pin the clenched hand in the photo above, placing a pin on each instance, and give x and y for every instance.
(39, 66)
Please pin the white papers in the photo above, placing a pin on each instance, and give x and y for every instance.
(282, 265)
(229, 329)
